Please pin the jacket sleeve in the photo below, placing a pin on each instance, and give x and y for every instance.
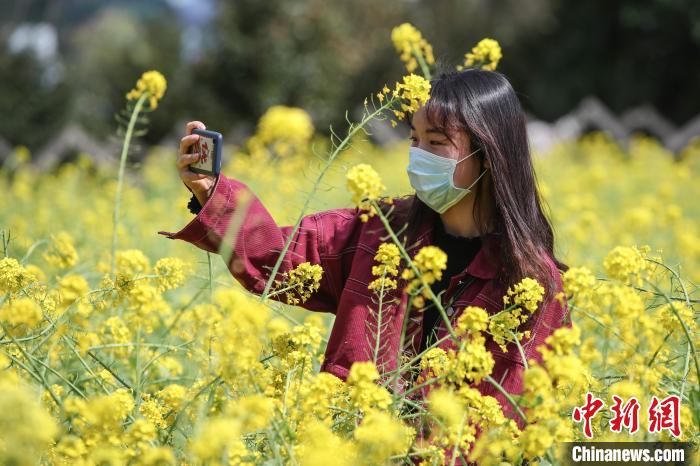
(326, 238)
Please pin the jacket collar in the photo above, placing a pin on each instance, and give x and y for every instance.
(486, 262)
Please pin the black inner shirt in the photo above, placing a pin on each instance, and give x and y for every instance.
(460, 252)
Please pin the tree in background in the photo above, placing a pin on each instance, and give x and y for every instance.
(31, 111)
(323, 57)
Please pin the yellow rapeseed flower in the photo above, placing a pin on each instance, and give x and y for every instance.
(380, 436)
(365, 185)
(284, 128)
(471, 363)
(318, 445)
(527, 294)
(365, 394)
(215, 437)
(61, 252)
(671, 323)
(409, 95)
(564, 339)
(430, 262)
(170, 271)
(578, 280)
(297, 348)
(132, 261)
(74, 288)
(536, 440)
(434, 362)
(495, 447)
(14, 277)
(627, 264)
(472, 319)
(409, 42)
(152, 84)
(389, 259)
(304, 279)
(114, 330)
(21, 313)
(252, 411)
(26, 428)
(322, 392)
(486, 54)
(159, 455)
(521, 300)
(446, 406)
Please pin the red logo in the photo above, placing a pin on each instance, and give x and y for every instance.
(627, 415)
(586, 413)
(663, 414)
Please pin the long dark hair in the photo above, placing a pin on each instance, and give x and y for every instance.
(484, 104)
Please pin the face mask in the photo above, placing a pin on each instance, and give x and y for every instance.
(432, 176)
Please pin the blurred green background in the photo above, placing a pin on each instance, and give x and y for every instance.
(227, 61)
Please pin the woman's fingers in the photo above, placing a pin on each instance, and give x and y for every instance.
(194, 124)
(197, 182)
(187, 141)
(192, 176)
(185, 159)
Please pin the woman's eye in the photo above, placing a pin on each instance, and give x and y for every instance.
(437, 143)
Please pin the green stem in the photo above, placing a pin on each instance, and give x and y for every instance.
(605, 326)
(85, 364)
(510, 399)
(179, 314)
(31, 250)
(377, 338)
(158, 356)
(457, 441)
(353, 129)
(421, 354)
(422, 385)
(417, 273)
(145, 345)
(281, 290)
(137, 375)
(404, 325)
(187, 404)
(520, 349)
(680, 281)
(683, 326)
(109, 369)
(38, 378)
(120, 179)
(35, 372)
(658, 350)
(211, 278)
(5, 239)
(421, 61)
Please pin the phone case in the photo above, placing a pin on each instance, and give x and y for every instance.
(209, 146)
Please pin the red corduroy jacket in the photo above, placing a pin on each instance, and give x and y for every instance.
(345, 247)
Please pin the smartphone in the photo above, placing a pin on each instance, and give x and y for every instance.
(208, 146)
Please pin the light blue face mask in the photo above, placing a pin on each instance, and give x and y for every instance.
(432, 176)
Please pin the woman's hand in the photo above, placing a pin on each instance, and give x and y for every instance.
(201, 185)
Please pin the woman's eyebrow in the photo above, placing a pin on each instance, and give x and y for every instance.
(429, 130)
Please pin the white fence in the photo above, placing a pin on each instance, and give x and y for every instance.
(591, 114)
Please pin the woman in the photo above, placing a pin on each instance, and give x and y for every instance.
(476, 198)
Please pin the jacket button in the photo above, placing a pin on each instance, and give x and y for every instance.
(450, 311)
